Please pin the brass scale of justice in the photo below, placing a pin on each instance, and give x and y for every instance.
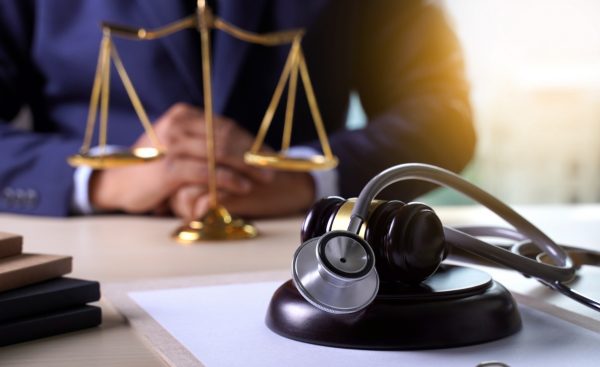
(217, 223)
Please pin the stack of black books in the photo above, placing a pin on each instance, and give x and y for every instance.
(36, 301)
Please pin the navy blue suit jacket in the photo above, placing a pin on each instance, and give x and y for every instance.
(399, 56)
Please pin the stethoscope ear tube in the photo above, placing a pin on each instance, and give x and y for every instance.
(522, 264)
(442, 177)
(525, 248)
(574, 295)
(564, 269)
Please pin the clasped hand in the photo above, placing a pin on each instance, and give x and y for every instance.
(178, 183)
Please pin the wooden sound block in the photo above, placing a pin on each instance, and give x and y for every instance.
(456, 306)
(10, 244)
(25, 269)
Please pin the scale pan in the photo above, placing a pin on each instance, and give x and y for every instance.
(116, 159)
(283, 162)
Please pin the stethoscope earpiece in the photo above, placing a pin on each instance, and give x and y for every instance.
(336, 272)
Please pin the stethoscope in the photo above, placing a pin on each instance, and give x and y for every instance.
(352, 284)
(525, 247)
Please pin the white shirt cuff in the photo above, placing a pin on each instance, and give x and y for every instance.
(326, 181)
(80, 201)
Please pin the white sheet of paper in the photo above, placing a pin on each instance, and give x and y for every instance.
(224, 326)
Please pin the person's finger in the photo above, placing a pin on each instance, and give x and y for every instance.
(230, 147)
(191, 120)
(182, 131)
(179, 172)
(181, 119)
(194, 148)
(231, 142)
(182, 171)
(187, 136)
(202, 204)
(260, 175)
(184, 200)
(237, 162)
(188, 147)
(274, 199)
(233, 182)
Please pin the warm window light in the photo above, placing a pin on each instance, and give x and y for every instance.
(534, 67)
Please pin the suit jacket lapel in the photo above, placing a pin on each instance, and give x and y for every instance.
(182, 47)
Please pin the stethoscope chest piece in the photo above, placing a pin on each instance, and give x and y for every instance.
(336, 272)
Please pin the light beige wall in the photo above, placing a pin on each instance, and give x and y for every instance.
(534, 66)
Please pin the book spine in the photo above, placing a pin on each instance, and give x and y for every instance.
(35, 273)
(61, 299)
(10, 244)
(48, 325)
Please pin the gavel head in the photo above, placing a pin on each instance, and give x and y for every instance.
(407, 238)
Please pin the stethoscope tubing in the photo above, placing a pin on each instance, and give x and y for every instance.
(564, 269)
(523, 247)
(522, 264)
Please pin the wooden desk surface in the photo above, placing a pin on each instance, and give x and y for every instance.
(121, 248)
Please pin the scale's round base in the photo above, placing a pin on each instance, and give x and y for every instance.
(456, 306)
(216, 225)
(283, 162)
(116, 159)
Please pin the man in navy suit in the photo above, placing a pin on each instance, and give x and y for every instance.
(399, 56)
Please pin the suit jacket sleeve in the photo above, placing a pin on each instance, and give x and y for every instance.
(409, 74)
(26, 157)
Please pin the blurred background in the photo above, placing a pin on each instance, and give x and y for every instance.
(534, 68)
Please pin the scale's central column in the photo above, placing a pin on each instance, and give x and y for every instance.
(217, 223)
(204, 16)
